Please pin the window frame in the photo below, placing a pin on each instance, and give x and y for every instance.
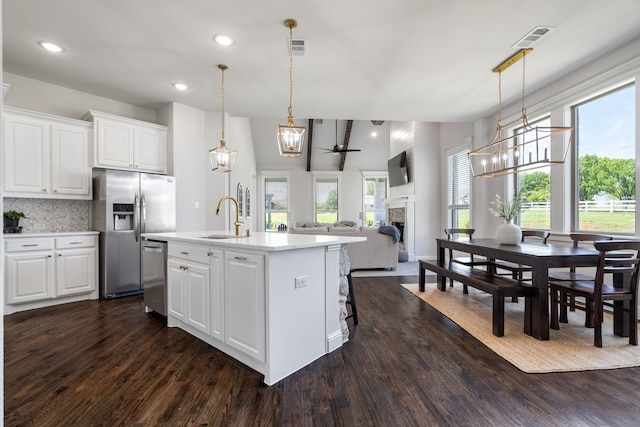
(575, 191)
(266, 175)
(456, 149)
(373, 175)
(325, 175)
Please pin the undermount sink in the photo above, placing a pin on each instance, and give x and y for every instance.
(219, 236)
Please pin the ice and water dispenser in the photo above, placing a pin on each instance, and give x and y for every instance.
(123, 218)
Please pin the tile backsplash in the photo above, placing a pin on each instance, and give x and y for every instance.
(44, 215)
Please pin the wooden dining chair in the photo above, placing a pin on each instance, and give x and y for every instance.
(469, 261)
(571, 274)
(596, 291)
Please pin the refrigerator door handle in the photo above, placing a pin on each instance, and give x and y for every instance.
(143, 214)
(136, 214)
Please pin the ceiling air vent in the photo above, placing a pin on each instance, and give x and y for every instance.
(299, 47)
(531, 37)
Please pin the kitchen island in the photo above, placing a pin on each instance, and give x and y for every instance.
(270, 300)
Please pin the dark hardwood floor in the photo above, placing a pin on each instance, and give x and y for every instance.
(108, 363)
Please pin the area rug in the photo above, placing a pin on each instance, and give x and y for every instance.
(569, 349)
(409, 268)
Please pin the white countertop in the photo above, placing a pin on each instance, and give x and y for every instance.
(47, 234)
(271, 241)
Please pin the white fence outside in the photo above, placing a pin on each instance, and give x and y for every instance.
(597, 206)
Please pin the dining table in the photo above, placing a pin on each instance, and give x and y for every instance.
(539, 256)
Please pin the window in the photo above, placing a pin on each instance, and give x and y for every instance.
(326, 198)
(375, 193)
(459, 189)
(534, 186)
(605, 152)
(276, 202)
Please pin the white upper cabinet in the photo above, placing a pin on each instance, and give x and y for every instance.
(45, 156)
(122, 143)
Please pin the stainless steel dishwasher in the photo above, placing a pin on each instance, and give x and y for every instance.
(154, 276)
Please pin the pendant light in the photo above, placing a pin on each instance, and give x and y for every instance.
(290, 137)
(528, 147)
(222, 158)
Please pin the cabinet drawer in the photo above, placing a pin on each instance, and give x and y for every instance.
(28, 244)
(192, 253)
(68, 242)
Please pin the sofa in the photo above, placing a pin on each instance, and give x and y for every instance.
(378, 251)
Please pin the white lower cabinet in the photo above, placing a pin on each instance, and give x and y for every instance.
(29, 277)
(220, 293)
(245, 303)
(189, 293)
(42, 271)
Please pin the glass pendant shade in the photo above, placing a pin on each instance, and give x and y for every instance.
(290, 139)
(222, 159)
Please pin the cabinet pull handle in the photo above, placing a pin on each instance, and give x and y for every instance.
(241, 258)
(55, 191)
(184, 253)
(59, 254)
(30, 244)
(44, 189)
(184, 267)
(75, 243)
(48, 256)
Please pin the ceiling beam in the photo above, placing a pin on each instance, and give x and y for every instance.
(309, 144)
(345, 144)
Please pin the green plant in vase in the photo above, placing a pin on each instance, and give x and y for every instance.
(12, 218)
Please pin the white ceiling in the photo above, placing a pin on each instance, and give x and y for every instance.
(425, 60)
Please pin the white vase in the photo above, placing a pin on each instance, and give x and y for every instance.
(509, 233)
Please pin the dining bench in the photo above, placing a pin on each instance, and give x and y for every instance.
(498, 286)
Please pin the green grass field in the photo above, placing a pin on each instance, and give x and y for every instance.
(608, 222)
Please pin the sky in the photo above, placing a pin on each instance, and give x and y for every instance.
(607, 125)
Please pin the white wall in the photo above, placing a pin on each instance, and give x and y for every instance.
(45, 97)
(187, 128)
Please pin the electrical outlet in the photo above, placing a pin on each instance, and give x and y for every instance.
(301, 282)
(197, 205)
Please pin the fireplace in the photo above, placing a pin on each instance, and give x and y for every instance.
(400, 212)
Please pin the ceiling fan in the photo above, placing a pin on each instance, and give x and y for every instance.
(342, 148)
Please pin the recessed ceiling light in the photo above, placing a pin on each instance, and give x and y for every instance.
(180, 86)
(223, 40)
(374, 134)
(51, 47)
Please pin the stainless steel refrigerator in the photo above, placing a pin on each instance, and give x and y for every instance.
(125, 205)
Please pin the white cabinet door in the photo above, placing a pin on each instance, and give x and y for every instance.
(245, 303)
(26, 155)
(70, 171)
(29, 276)
(114, 144)
(45, 156)
(123, 143)
(198, 310)
(75, 271)
(150, 149)
(176, 284)
(216, 273)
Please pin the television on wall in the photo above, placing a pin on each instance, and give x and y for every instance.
(397, 167)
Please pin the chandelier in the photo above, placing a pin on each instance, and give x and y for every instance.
(528, 147)
(222, 158)
(290, 137)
